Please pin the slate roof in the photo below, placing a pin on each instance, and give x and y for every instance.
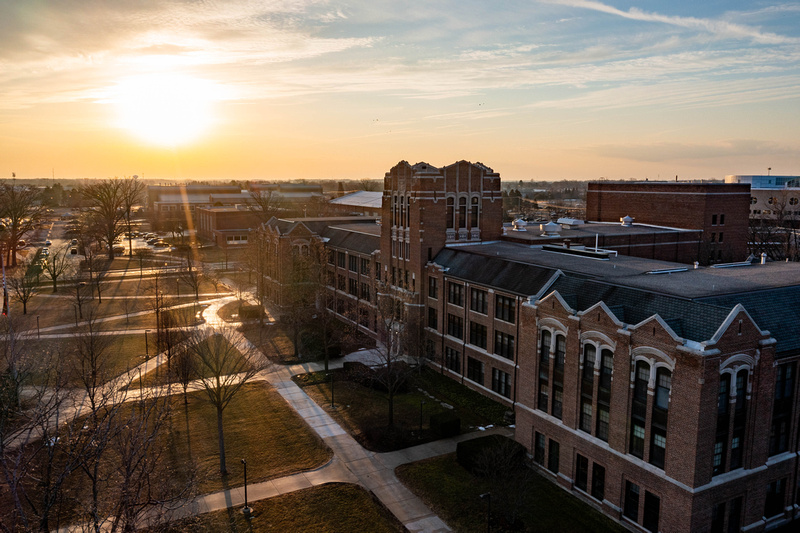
(690, 312)
(776, 310)
(351, 240)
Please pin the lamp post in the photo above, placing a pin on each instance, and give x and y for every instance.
(421, 404)
(333, 404)
(488, 497)
(246, 509)
(38, 335)
(146, 355)
(178, 286)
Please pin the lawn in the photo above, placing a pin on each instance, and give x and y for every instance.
(454, 494)
(363, 411)
(259, 426)
(328, 508)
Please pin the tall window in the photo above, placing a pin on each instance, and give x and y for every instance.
(462, 212)
(652, 510)
(587, 388)
(478, 301)
(739, 419)
(501, 382)
(455, 326)
(598, 481)
(639, 409)
(473, 219)
(475, 370)
(582, 473)
(504, 345)
(558, 377)
(450, 212)
(604, 394)
(776, 494)
(433, 320)
(353, 263)
(539, 448)
(455, 294)
(553, 456)
(477, 334)
(631, 509)
(658, 428)
(723, 425)
(782, 409)
(505, 308)
(433, 288)
(544, 371)
(452, 359)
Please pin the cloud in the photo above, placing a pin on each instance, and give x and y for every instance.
(721, 28)
(671, 151)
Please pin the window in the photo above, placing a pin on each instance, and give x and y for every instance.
(365, 295)
(721, 236)
(377, 271)
(713, 220)
(782, 409)
(433, 288)
(505, 308)
(586, 416)
(478, 301)
(462, 212)
(449, 215)
(353, 260)
(663, 386)
(722, 219)
(544, 348)
(341, 258)
(477, 334)
(501, 382)
(538, 448)
(341, 282)
(652, 510)
(364, 266)
(581, 473)
(553, 457)
(452, 359)
(561, 351)
(331, 257)
(631, 509)
(637, 440)
(455, 294)
(353, 286)
(504, 345)
(455, 326)
(602, 422)
(433, 319)
(773, 505)
(658, 445)
(598, 482)
(588, 363)
(558, 401)
(475, 370)
(473, 220)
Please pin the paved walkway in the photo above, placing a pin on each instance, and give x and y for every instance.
(351, 463)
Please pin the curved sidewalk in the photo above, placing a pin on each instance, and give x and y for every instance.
(351, 462)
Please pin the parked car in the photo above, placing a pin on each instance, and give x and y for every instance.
(45, 252)
(74, 242)
(47, 243)
(160, 244)
(74, 251)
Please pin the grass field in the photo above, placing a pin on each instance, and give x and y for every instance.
(454, 494)
(328, 508)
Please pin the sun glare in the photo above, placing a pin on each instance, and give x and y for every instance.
(166, 109)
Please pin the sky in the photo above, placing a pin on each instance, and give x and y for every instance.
(303, 89)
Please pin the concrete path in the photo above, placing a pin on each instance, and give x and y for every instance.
(351, 463)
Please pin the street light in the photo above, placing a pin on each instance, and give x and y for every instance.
(246, 509)
(421, 404)
(333, 405)
(38, 335)
(146, 355)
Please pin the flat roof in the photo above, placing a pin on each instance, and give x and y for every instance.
(588, 230)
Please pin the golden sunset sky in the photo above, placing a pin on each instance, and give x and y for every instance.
(291, 89)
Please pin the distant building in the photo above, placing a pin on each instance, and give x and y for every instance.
(775, 198)
(366, 203)
(225, 226)
(719, 210)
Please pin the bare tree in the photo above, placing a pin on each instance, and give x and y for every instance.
(223, 366)
(190, 274)
(108, 209)
(142, 254)
(24, 286)
(56, 265)
(132, 192)
(266, 203)
(21, 207)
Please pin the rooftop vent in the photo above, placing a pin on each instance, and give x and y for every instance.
(550, 229)
(569, 223)
(519, 225)
(626, 221)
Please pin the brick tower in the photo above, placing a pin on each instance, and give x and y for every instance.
(426, 207)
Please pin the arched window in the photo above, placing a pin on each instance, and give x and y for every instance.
(462, 212)
(544, 371)
(663, 386)
(449, 214)
(589, 352)
(639, 409)
(474, 215)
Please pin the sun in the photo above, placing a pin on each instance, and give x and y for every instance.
(165, 109)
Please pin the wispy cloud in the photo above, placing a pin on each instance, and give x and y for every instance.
(718, 27)
(672, 151)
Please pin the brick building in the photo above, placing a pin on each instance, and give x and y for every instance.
(720, 210)
(225, 226)
(661, 393)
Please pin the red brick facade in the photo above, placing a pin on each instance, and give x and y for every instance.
(720, 210)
